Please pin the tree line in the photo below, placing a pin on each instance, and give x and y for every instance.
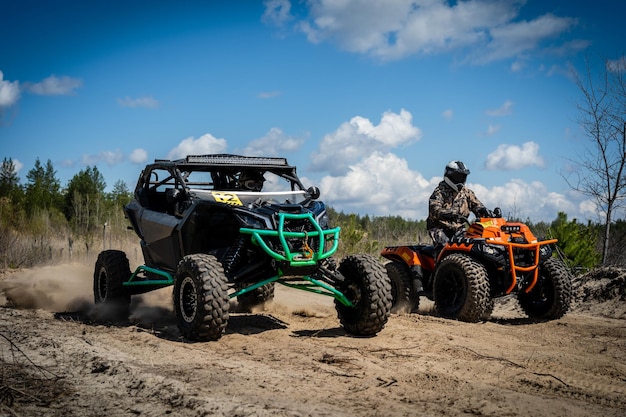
(41, 216)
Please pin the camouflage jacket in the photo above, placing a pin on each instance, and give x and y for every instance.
(446, 205)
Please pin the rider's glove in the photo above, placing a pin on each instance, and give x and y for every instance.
(484, 212)
(452, 216)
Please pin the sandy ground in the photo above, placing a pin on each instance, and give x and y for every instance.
(293, 358)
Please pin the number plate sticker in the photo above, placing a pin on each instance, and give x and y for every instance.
(227, 198)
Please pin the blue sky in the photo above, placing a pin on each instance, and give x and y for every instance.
(370, 99)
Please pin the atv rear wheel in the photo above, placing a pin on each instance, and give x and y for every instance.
(403, 293)
(256, 297)
(201, 298)
(112, 269)
(550, 298)
(461, 289)
(367, 286)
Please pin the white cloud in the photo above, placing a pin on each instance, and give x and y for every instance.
(492, 130)
(614, 65)
(504, 110)
(274, 143)
(511, 157)
(147, 102)
(516, 38)
(108, 157)
(277, 12)
(9, 92)
(138, 156)
(517, 66)
(380, 184)
(17, 165)
(205, 144)
(394, 29)
(383, 184)
(269, 94)
(448, 114)
(522, 200)
(55, 86)
(358, 138)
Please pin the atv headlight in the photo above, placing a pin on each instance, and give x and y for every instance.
(545, 252)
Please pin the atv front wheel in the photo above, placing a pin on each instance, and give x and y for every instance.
(201, 298)
(367, 286)
(461, 289)
(112, 269)
(550, 298)
(256, 297)
(403, 293)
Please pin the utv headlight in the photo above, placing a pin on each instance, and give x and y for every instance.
(252, 222)
(322, 220)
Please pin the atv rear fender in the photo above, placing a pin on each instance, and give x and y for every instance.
(422, 256)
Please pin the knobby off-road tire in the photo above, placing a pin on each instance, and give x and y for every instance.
(256, 297)
(367, 286)
(551, 296)
(403, 294)
(201, 298)
(461, 289)
(112, 269)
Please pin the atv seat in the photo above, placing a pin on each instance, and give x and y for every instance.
(428, 250)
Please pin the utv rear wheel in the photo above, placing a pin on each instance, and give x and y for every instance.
(367, 286)
(403, 293)
(550, 298)
(256, 298)
(112, 269)
(201, 298)
(461, 289)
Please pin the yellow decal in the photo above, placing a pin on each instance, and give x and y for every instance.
(227, 198)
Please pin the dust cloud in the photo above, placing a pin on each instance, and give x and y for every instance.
(69, 288)
(66, 287)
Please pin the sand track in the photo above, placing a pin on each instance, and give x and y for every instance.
(293, 359)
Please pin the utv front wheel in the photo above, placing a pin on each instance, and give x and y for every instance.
(367, 286)
(461, 289)
(550, 298)
(403, 293)
(112, 269)
(201, 298)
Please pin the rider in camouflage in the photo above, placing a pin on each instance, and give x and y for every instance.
(451, 203)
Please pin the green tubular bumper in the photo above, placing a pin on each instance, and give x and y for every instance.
(168, 279)
(296, 258)
(306, 284)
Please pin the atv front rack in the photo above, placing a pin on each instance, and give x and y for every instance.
(536, 247)
(306, 256)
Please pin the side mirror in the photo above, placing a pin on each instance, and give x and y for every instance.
(314, 193)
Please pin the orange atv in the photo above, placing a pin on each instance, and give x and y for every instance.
(490, 259)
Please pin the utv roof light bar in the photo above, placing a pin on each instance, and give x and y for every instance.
(225, 159)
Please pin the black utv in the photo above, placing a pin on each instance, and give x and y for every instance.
(219, 227)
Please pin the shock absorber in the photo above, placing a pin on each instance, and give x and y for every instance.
(233, 256)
